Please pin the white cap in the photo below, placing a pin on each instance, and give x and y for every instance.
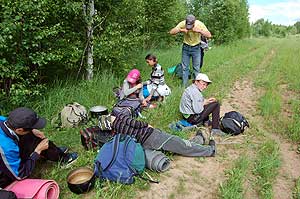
(203, 77)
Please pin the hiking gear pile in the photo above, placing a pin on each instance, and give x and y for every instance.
(72, 115)
(94, 137)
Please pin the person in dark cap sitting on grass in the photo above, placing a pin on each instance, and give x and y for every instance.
(22, 144)
(155, 139)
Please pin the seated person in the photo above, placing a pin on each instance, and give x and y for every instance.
(22, 145)
(196, 109)
(155, 139)
(156, 86)
(131, 93)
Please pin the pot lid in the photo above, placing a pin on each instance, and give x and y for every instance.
(98, 109)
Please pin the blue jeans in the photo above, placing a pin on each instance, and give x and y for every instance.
(187, 53)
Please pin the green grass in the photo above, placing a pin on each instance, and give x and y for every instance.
(233, 188)
(223, 64)
(296, 193)
(266, 168)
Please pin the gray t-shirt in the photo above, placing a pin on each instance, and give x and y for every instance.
(192, 101)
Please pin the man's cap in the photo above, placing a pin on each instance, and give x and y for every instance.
(25, 118)
(189, 22)
(203, 77)
(105, 122)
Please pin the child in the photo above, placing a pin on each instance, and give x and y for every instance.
(155, 86)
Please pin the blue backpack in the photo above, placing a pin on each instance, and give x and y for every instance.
(120, 159)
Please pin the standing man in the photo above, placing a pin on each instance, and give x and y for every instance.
(196, 109)
(193, 30)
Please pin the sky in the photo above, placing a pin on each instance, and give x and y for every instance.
(284, 12)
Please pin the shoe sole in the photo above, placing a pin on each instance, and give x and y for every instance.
(68, 165)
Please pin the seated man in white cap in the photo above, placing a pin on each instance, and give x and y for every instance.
(196, 109)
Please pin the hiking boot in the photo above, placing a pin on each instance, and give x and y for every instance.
(63, 149)
(217, 132)
(212, 143)
(69, 159)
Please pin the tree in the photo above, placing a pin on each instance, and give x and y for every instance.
(297, 25)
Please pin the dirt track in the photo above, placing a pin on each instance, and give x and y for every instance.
(201, 177)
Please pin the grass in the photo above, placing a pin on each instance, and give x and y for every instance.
(233, 188)
(266, 168)
(296, 193)
(224, 65)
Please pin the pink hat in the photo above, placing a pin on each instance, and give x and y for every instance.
(133, 76)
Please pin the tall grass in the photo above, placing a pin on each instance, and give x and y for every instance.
(266, 168)
(233, 186)
(281, 79)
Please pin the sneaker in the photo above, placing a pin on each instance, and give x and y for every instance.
(212, 143)
(217, 132)
(69, 159)
(63, 149)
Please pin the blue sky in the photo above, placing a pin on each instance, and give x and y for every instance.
(285, 12)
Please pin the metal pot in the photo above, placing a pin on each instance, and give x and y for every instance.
(81, 180)
(97, 111)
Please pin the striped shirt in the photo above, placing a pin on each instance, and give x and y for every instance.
(132, 127)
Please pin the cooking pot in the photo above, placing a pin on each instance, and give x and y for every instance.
(97, 111)
(81, 180)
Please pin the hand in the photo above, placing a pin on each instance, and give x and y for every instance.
(212, 99)
(148, 98)
(43, 145)
(140, 85)
(184, 30)
(144, 103)
(38, 133)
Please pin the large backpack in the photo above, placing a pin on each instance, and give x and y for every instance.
(233, 123)
(129, 107)
(120, 159)
(94, 137)
(72, 115)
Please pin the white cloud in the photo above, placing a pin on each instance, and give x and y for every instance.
(285, 13)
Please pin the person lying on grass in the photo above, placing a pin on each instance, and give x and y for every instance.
(22, 144)
(155, 139)
(196, 109)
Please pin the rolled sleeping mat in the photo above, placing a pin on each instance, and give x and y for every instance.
(35, 188)
(156, 160)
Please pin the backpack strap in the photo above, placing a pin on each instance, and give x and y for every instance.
(116, 142)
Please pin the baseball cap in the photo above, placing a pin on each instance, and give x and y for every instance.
(25, 118)
(203, 77)
(133, 76)
(189, 22)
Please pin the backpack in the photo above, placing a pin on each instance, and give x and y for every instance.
(120, 159)
(72, 115)
(233, 123)
(94, 137)
(129, 107)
